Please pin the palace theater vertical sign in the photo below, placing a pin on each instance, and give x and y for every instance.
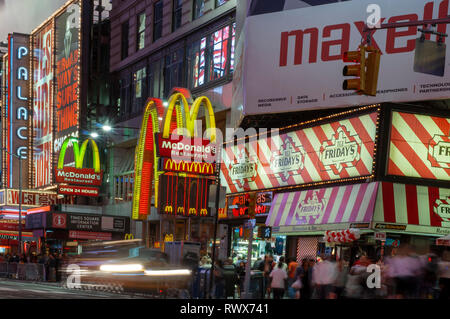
(15, 114)
(43, 44)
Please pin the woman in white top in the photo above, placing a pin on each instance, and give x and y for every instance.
(278, 275)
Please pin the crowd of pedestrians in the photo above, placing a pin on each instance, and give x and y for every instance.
(52, 263)
(404, 274)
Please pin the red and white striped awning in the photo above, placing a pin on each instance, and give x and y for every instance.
(412, 208)
(331, 208)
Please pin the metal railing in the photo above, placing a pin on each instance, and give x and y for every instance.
(28, 271)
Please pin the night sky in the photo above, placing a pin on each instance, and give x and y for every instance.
(24, 15)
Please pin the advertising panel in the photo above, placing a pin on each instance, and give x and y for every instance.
(43, 99)
(184, 196)
(293, 61)
(333, 151)
(30, 198)
(202, 168)
(419, 146)
(179, 147)
(67, 26)
(76, 234)
(237, 205)
(15, 113)
(78, 190)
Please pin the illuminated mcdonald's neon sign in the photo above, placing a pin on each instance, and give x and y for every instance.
(171, 165)
(78, 174)
(129, 236)
(178, 117)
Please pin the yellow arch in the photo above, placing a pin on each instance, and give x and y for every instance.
(209, 116)
(182, 117)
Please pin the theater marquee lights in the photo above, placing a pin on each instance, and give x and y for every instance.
(15, 113)
(179, 118)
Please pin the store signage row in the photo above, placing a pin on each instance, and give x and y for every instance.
(406, 207)
(197, 168)
(29, 198)
(78, 190)
(237, 207)
(326, 206)
(419, 146)
(183, 196)
(303, 47)
(15, 235)
(185, 148)
(333, 151)
(77, 222)
(77, 234)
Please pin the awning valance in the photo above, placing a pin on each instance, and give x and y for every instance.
(329, 208)
(412, 209)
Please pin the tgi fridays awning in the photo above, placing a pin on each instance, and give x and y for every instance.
(323, 209)
(412, 209)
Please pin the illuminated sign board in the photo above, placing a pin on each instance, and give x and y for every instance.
(68, 35)
(329, 152)
(238, 209)
(184, 148)
(419, 146)
(152, 145)
(43, 100)
(79, 175)
(15, 113)
(78, 190)
(29, 198)
(184, 196)
(202, 168)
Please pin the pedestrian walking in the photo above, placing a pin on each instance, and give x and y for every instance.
(51, 268)
(268, 267)
(323, 278)
(279, 277)
(292, 268)
(219, 279)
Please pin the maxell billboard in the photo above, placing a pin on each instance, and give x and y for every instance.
(293, 59)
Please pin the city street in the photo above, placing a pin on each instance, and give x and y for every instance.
(13, 289)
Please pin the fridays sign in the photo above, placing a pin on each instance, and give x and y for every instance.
(332, 151)
(295, 45)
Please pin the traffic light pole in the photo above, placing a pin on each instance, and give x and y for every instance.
(409, 24)
(216, 219)
(248, 265)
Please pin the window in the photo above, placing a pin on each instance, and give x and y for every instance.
(140, 41)
(124, 100)
(199, 8)
(124, 42)
(176, 14)
(158, 20)
(156, 78)
(220, 2)
(139, 90)
(173, 71)
(209, 58)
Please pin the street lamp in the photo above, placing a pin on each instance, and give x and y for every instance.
(94, 134)
(20, 197)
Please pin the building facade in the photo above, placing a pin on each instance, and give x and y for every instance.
(156, 47)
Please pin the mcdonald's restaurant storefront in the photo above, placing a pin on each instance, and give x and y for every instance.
(58, 231)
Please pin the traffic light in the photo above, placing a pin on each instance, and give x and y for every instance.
(373, 66)
(358, 70)
(365, 70)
